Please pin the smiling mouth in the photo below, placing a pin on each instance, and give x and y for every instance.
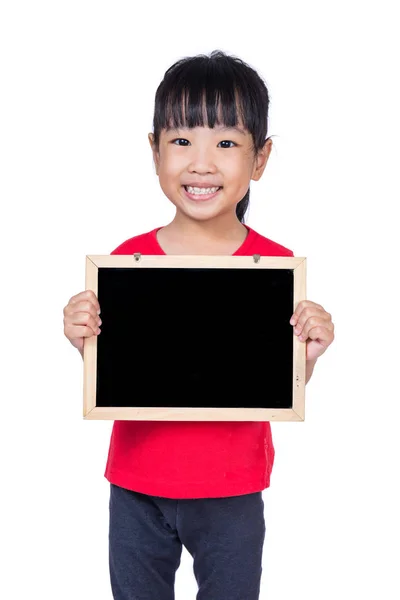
(201, 195)
(203, 188)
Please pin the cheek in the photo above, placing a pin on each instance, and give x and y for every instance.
(236, 167)
(169, 180)
(238, 174)
(170, 171)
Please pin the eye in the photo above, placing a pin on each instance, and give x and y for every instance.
(184, 140)
(228, 142)
(178, 140)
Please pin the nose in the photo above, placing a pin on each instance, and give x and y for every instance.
(202, 161)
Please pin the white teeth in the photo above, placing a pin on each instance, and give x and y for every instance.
(197, 190)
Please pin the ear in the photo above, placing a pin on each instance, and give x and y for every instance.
(156, 155)
(261, 160)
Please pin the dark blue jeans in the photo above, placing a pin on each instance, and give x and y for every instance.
(225, 537)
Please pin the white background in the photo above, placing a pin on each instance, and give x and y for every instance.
(78, 80)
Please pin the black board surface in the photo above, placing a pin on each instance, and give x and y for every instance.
(195, 337)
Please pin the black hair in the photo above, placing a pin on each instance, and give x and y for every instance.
(222, 87)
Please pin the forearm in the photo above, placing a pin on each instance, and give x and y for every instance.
(310, 364)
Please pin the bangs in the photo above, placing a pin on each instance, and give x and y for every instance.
(199, 105)
(202, 92)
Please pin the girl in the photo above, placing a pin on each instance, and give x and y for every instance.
(197, 483)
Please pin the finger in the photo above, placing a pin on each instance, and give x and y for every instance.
(301, 328)
(78, 319)
(88, 295)
(310, 312)
(81, 307)
(79, 331)
(320, 333)
(301, 307)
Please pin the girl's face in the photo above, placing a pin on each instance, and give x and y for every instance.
(205, 157)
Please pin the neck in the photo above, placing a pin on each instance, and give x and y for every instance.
(224, 227)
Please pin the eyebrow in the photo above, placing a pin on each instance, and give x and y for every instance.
(234, 128)
(218, 129)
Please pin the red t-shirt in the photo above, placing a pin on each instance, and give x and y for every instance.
(192, 459)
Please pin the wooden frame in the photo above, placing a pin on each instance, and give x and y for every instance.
(138, 261)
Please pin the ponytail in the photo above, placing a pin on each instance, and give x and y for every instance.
(242, 206)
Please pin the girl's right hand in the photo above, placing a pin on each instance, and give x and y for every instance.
(81, 318)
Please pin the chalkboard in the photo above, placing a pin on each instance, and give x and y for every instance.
(195, 338)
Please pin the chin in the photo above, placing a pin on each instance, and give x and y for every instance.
(202, 214)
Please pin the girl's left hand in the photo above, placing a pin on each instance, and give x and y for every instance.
(314, 326)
